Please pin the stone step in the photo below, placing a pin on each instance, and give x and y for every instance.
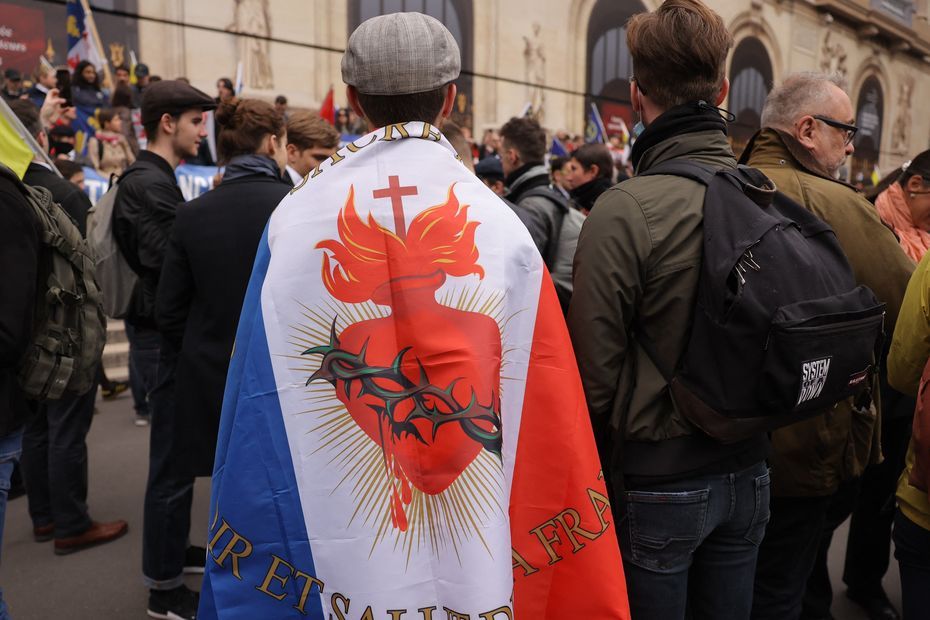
(115, 355)
(118, 373)
(116, 331)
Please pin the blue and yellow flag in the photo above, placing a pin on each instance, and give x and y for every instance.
(15, 153)
(595, 131)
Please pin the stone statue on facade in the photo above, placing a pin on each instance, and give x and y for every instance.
(902, 123)
(534, 56)
(251, 17)
(833, 57)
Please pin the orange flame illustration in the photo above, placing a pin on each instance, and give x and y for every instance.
(368, 255)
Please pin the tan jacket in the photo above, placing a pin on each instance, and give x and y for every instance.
(811, 458)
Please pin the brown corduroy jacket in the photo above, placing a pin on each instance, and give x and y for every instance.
(813, 457)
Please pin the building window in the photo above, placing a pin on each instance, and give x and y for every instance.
(456, 15)
(901, 10)
(609, 62)
(868, 142)
(750, 82)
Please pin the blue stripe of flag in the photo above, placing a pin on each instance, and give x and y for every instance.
(254, 484)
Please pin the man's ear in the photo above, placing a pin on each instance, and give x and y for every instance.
(724, 91)
(448, 103)
(42, 139)
(352, 96)
(805, 129)
(168, 123)
(635, 101)
(915, 183)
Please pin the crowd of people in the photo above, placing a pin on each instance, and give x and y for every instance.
(707, 529)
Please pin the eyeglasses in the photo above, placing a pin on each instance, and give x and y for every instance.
(638, 84)
(832, 122)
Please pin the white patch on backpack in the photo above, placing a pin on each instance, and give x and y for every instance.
(813, 378)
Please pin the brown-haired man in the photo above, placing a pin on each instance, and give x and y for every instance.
(691, 512)
(143, 216)
(310, 140)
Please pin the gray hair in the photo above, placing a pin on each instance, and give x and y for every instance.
(800, 94)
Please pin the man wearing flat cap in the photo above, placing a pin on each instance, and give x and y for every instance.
(143, 214)
(401, 380)
(13, 85)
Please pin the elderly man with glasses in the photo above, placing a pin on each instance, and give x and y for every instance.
(807, 133)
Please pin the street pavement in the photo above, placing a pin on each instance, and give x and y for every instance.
(105, 582)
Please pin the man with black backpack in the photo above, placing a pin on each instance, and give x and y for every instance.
(690, 510)
(552, 223)
(808, 129)
(143, 215)
(54, 460)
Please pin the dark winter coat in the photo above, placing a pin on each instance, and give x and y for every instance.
(203, 283)
(19, 262)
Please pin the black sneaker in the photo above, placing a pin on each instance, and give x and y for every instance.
(175, 604)
(194, 560)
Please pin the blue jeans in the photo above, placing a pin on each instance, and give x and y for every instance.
(912, 550)
(144, 345)
(690, 546)
(10, 446)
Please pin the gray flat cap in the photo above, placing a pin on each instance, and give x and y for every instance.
(400, 54)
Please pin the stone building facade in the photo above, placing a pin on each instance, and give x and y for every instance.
(556, 55)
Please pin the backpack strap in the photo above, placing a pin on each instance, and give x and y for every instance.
(552, 247)
(687, 169)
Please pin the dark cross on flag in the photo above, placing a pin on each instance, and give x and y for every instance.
(396, 193)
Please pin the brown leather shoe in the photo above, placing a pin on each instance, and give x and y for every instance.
(97, 534)
(43, 533)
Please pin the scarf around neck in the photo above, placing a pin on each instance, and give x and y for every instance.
(893, 209)
(683, 119)
(585, 195)
(245, 165)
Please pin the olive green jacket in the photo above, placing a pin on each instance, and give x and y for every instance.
(811, 458)
(635, 275)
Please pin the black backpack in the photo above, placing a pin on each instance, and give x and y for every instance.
(781, 330)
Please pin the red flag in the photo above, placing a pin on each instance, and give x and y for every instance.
(328, 109)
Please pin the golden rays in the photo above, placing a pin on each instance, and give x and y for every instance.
(445, 521)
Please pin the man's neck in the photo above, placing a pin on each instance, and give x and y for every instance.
(165, 151)
(41, 162)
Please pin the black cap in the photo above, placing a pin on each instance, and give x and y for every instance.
(141, 70)
(490, 168)
(13, 75)
(172, 97)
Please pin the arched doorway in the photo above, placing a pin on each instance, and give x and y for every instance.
(456, 15)
(751, 80)
(609, 62)
(869, 118)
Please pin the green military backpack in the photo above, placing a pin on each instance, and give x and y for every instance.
(69, 327)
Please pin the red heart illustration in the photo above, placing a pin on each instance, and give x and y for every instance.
(458, 351)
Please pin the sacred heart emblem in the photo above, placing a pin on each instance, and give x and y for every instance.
(423, 380)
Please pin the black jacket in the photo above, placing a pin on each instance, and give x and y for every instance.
(19, 263)
(143, 215)
(203, 283)
(67, 194)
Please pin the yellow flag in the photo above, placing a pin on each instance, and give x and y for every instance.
(14, 152)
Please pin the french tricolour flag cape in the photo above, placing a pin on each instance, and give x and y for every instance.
(404, 434)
